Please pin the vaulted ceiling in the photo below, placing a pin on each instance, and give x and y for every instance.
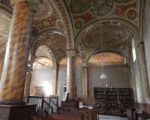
(89, 26)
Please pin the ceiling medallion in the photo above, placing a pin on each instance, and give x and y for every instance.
(78, 23)
(101, 7)
(79, 6)
(131, 14)
(43, 10)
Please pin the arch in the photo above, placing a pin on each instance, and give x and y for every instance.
(51, 52)
(107, 58)
(43, 75)
(43, 59)
(44, 32)
(130, 27)
(63, 13)
(112, 51)
(49, 30)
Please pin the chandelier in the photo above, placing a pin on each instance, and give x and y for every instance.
(102, 74)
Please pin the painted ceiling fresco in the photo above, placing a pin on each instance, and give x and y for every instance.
(83, 12)
(43, 53)
(107, 58)
(45, 20)
(46, 17)
(71, 24)
(54, 40)
(107, 36)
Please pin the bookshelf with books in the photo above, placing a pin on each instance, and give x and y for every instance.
(113, 101)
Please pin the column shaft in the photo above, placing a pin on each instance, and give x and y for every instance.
(1, 59)
(56, 84)
(16, 57)
(144, 76)
(85, 83)
(71, 85)
(27, 84)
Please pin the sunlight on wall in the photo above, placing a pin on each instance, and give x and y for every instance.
(133, 50)
(43, 78)
(138, 89)
(47, 88)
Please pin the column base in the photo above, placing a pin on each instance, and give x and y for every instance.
(11, 102)
(17, 112)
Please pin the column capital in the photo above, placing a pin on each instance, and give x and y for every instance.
(71, 52)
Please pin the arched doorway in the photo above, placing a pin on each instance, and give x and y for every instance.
(44, 73)
(108, 70)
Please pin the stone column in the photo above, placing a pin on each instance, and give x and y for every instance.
(146, 39)
(85, 82)
(1, 57)
(71, 84)
(57, 73)
(16, 57)
(144, 76)
(29, 76)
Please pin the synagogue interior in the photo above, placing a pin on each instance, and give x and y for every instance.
(74, 60)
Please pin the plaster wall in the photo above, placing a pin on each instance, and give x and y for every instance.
(117, 76)
(43, 77)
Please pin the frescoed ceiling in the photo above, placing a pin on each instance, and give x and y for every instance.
(54, 40)
(45, 56)
(71, 24)
(83, 12)
(107, 58)
(107, 36)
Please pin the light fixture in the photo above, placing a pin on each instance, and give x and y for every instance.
(102, 74)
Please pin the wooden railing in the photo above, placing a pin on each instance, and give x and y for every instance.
(49, 104)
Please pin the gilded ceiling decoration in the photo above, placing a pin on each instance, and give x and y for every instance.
(84, 12)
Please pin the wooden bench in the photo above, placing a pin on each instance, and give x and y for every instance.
(69, 105)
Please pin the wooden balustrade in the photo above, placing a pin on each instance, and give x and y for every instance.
(46, 103)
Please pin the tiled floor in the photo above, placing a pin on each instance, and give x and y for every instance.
(66, 116)
(70, 116)
(104, 117)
